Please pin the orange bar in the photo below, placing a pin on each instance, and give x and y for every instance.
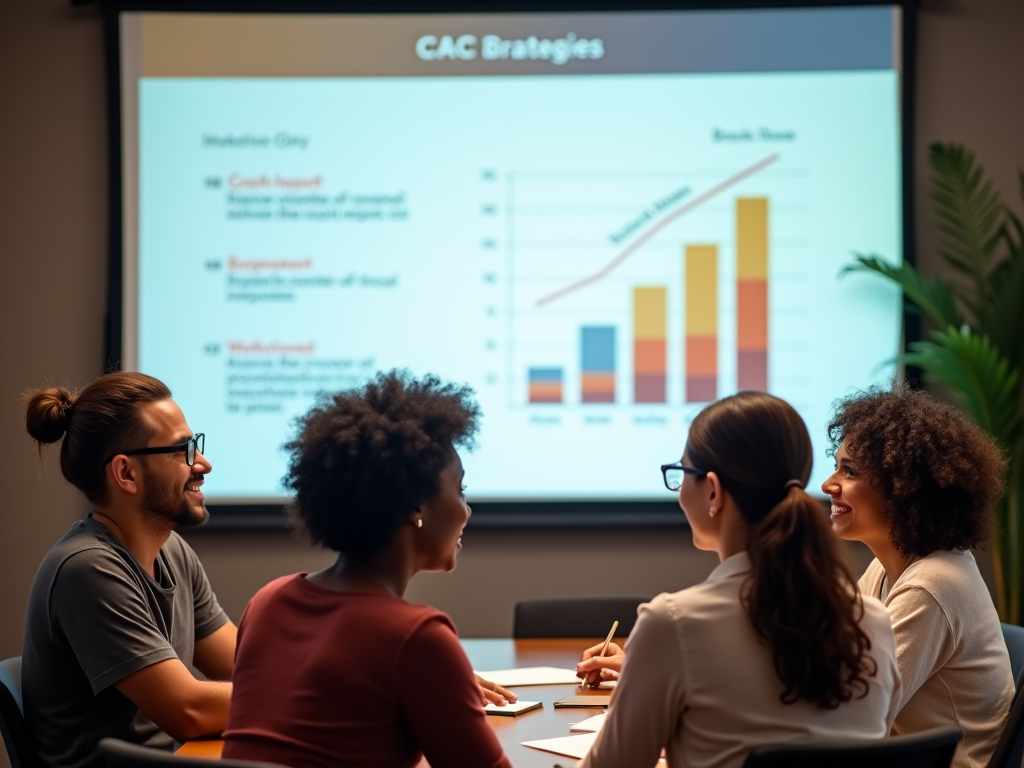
(649, 356)
(598, 387)
(752, 314)
(545, 392)
(701, 356)
(599, 381)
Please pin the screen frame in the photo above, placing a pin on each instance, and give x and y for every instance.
(525, 514)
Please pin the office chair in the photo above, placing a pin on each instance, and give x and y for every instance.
(1013, 636)
(580, 616)
(1010, 748)
(121, 754)
(12, 720)
(928, 749)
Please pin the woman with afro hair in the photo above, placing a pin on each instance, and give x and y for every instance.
(915, 480)
(332, 667)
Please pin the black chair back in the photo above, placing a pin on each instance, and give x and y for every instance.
(121, 754)
(928, 749)
(12, 721)
(1013, 636)
(579, 616)
(1010, 747)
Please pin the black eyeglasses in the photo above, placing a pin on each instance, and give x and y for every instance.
(191, 447)
(674, 473)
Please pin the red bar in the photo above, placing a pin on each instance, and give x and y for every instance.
(752, 370)
(649, 388)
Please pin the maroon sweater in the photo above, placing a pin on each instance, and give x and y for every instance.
(334, 679)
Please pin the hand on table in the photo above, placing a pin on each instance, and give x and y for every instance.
(593, 669)
(493, 693)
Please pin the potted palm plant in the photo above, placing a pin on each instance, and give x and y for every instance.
(974, 352)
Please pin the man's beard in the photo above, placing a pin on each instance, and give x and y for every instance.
(167, 503)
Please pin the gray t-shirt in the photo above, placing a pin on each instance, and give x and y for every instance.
(94, 617)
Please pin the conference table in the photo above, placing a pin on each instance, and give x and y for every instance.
(544, 723)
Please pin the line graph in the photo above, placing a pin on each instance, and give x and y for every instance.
(655, 228)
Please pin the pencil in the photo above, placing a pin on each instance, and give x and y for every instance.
(611, 634)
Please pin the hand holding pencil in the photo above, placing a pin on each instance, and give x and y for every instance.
(604, 656)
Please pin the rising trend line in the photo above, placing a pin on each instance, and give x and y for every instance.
(654, 229)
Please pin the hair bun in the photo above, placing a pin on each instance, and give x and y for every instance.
(47, 414)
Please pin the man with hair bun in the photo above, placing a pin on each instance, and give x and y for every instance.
(120, 608)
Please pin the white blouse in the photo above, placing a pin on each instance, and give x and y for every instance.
(698, 682)
(953, 660)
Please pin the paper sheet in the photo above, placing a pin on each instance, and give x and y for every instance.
(510, 678)
(590, 725)
(570, 746)
(510, 708)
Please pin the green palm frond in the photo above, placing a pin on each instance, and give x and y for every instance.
(1014, 229)
(932, 296)
(1002, 317)
(977, 353)
(969, 216)
(980, 379)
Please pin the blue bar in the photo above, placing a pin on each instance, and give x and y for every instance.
(598, 347)
(545, 374)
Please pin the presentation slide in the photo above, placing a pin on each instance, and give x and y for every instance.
(601, 222)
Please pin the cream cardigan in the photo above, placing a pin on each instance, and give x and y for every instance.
(950, 650)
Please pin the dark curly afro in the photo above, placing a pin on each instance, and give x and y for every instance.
(937, 472)
(364, 459)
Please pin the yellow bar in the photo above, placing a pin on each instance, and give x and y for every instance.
(649, 313)
(752, 238)
(701, 290)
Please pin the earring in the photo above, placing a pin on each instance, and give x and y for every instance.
(419, 522)
(711, 512)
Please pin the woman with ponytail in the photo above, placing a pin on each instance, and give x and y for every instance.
(777, 645)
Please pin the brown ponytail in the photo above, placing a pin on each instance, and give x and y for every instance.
(801, 598)
(103, 419)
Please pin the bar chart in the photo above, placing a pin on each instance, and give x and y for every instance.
(685, 305)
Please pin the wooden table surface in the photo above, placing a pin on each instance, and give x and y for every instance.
(544, 723)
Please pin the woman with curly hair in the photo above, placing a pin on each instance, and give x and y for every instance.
(331, 666)
(915, 481)
(777, 645)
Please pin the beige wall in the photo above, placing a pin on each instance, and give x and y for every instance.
(53, 246)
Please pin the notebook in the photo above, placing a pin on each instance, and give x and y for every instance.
(512, 709)
(509, 678)
(593, 700)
